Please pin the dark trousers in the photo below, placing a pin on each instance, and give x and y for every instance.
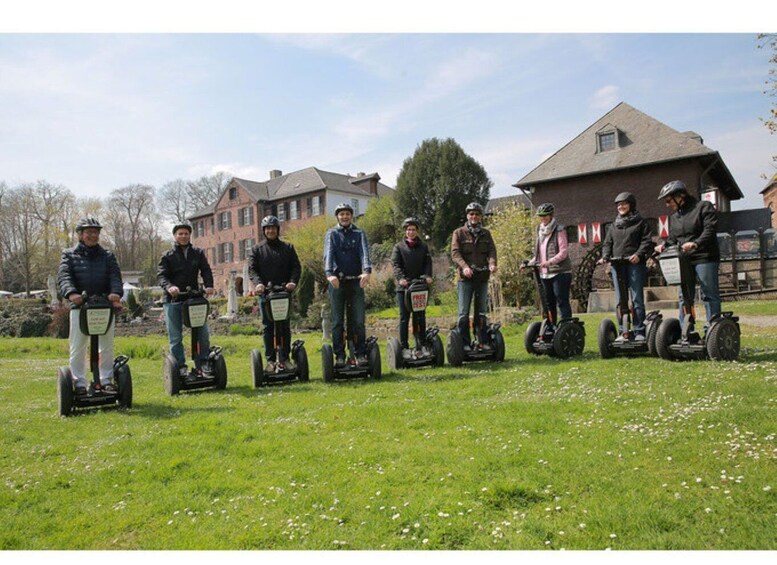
(419, 321)
(269, 335)
(557, 294)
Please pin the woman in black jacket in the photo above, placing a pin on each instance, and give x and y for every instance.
(629, 236)
(411, 260)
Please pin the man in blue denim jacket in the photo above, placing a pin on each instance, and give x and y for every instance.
(347, 267)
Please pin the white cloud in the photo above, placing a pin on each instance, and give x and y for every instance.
(605, 98)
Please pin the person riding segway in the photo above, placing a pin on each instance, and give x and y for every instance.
(474, 253)
(180, 268)
(691, 253)
(551, 266)
(347, 267)
(194, 308)
(90, 278)
(627, 246)
(412, 265)
(276, 260)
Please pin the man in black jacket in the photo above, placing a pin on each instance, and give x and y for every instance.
(693, 227)
(89, 268)
(274, 262)
(178, 269)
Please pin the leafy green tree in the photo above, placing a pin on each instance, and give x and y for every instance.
(308, 240)
(436, 184)
(512, 228)
(381, 221)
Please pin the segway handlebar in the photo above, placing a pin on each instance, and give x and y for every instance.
(93, 298)
(189, 293)
(270, 287)
(344, 277)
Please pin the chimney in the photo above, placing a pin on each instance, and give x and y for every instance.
(275, 173)
(372, 180)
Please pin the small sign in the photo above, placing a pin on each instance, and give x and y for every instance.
(419, 299)
(582, 237)
(711, 196)
(670, 268)
(663, 226)
(279, 309)
(198, 315)
(98, 320)
(596, 232)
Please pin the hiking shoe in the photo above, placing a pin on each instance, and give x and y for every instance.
(80, 391)
(289, 365)
(340, 362)
(183, 371)
(407, 354)
(361, 360)
(110, 388)
(206, 367)
(270, 367)
(639, 337)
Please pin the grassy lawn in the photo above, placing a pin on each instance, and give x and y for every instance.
(534, 453)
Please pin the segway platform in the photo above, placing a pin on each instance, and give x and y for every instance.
(351, 369)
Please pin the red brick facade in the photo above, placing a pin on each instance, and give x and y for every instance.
(770, 200)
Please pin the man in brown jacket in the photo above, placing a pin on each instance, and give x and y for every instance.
(474, 252)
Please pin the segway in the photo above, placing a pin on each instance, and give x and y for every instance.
(610, 344)
(277, 306)
(681, 342)
(563, 339)
(428, 348)
(352, 368)
(488, 344)
(195, 309)
(95, 318)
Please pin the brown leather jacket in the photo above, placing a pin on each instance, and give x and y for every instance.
(468, 250)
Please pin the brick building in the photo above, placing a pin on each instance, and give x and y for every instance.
(228, 228)
(624, 150)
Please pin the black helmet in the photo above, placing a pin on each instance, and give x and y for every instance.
(268, 221)
(671, 188)
(411, 222)
(546, 209)
(474, 207)
(627, 197)
(185, 225)
(343, 206)
(88, 222)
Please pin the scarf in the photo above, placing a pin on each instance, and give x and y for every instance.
(629, 219)
(412, 243)
(474, 229)
(545, 231)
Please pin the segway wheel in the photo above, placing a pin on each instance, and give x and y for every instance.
(531, 335)
(124, 380)
(723, 340)
(220, 370)
(303, 368)
(257, 369)
(439, 351)
(327, 363)
(499, 346)
(652, 332)
(393, 354)
(65, 392)
(170, 374)
(669, 333)
(455, 349)
(373, 358)
(569, 340)
(606, 336)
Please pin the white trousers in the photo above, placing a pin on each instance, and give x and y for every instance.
(79, 348)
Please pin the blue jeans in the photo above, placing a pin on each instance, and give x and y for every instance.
(707, 277)
(269, 335)
(635, 276)
(419, 321)
(174, 321)
(557, 294)
(349, 296)
(467, 289)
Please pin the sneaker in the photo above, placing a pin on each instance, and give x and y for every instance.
(80, 391)
(407, 354)
(206, 367)
(620, 339)
(110, 388)
(467, 348)
(289, 365)
(270, 367)
(361, 360)
(340, 362)
(183, 371)
(639, 337)
(485, 347)
(193, 376)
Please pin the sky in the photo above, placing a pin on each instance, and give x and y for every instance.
(154, 102)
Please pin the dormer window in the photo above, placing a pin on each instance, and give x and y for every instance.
(232, 193)
(607, 141)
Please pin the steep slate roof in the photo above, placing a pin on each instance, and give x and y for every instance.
(496, 204)
(298, 183)
(642, 140)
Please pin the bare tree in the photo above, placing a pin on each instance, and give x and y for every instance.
(205, 190)
(21, 238)
(131, 214)
(175, 201)
(51, 204)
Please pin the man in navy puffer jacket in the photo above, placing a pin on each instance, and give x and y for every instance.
(90, 268)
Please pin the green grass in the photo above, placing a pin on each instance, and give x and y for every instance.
(533, 453)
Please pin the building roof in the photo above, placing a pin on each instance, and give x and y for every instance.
(496, 204)
(302, 182)
(772, 182)
(641, 140)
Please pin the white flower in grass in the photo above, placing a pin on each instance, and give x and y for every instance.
(613, 536)
(767, 488)
(425, 541)
(581, 525)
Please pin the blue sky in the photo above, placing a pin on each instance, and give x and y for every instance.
(99, 111)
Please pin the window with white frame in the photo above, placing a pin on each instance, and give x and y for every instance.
(246, 216)
(315, 206)
(225, 220)
(282, 212)
(293, 212)
(225, 252)
(606, 141)
(245, 248)
(355, 206)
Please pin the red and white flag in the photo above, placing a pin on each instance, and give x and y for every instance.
(582, 238)
(663, 226)
(596, 232)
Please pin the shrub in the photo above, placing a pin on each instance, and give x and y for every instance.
(60, 323)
